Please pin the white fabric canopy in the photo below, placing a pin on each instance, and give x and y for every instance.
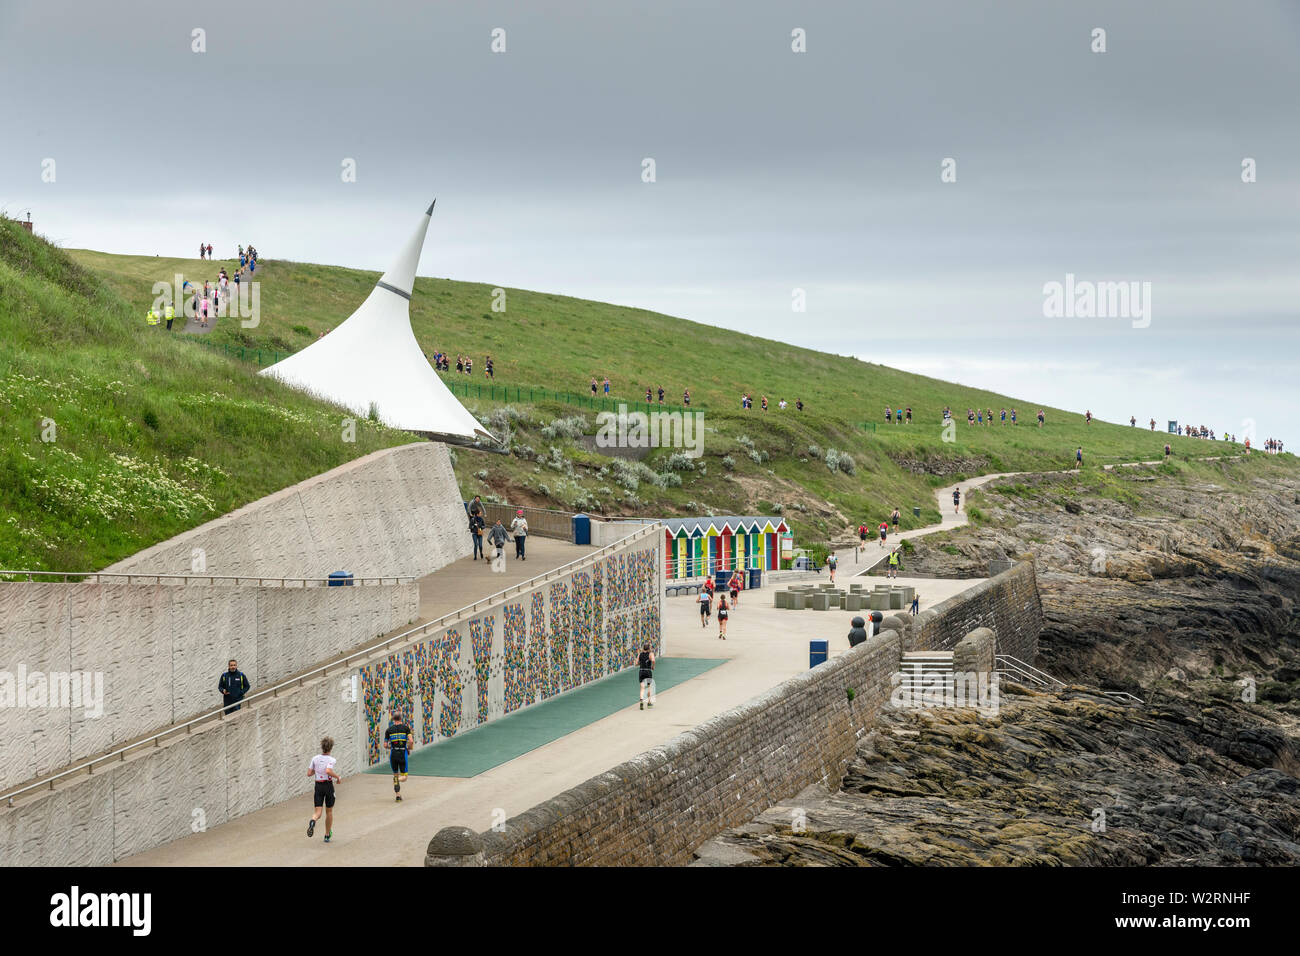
(372, 358)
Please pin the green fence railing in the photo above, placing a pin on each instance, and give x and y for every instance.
(489, 391)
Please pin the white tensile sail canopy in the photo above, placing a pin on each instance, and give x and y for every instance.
(372, 360)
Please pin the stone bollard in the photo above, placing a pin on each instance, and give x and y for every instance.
(454, 846)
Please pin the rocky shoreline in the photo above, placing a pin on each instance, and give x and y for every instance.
(1184, 592)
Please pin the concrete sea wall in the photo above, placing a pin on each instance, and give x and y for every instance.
(396, 511)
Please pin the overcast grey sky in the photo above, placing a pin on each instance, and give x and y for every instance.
(775, 170)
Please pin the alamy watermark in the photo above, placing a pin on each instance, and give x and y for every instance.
(624, 429)
(242, 300)
(1098, 300)
(915, 688)
(53, 690)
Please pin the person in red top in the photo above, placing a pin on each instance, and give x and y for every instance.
(884, 532)
(862, 535)
(710, 585)
(734, 585)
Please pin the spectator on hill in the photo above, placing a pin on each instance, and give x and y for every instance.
(233, 686)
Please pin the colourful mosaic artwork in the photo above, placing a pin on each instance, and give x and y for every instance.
(426, 684)
(599, 654)
(449, 679)
(539, 665)
(514, 638)
(616, 640)
(480, 638)
(560, 679)
(401, 673)
(580, 618)
(374, 678)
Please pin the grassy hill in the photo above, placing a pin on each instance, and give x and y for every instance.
(112, 439)
(156, 434)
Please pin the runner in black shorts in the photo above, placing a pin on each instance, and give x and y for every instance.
(397, 739)
(321, 769)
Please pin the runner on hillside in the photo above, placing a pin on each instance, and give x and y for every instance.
(956, 501)
(593, 386)
(894, 519)
(645, 663)
(1013, 416)
(1153, 424)
(321, 769)
(1041, 418)
(722, 617)
(884, 532)
(661, 394)
(648, 399)
(1078, 457)
(396, 740)
(1087, 417)
(889, 415)
(1132, 421)
(1167, 451)
(706, 606)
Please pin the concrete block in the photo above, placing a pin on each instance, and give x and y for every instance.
(798, 600)
(879, 600)
(819, 601)
(895, 599)
(781, 599)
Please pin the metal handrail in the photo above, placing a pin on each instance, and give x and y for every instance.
(345, 664)
(145, 577)
(1019, 668)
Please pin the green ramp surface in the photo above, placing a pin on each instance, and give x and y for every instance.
(474, 751)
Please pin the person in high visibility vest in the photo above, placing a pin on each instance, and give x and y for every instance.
(151, 317)
(170, 313)
(894, 562)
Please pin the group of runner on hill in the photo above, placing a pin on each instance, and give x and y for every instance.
(442, 363)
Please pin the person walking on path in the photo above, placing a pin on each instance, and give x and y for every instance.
(645, 673)
(895, 562)
(497, 538)
(321, 769)
(831, 563)
(956, 501)
(233, 686)
(895, 518)
(476, 533)
(862, 537)
(722, 617)
(519, 529)
(734, 585)
(397, 740)
(706, 606)
(884, 532)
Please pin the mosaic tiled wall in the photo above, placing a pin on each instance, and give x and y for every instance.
(525, 650)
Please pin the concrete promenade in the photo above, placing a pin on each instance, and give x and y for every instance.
(764, 646)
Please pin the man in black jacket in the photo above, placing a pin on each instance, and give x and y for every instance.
(233, 686)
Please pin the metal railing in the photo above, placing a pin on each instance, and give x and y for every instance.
(541, 521)
(1015, 668)
(344, 664)
(138, 577)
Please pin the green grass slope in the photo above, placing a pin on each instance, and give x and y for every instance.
(823, 468)
(112, 439)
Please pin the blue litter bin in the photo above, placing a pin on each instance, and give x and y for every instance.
(721, 578)
(339, 579)
(818, 652)
(581, 529)
(755, 578)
